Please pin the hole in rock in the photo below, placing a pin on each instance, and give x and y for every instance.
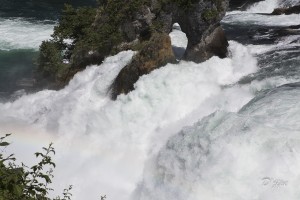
(179, 41)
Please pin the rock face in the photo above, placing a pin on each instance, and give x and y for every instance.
(244, 4)
(287, 11)
(199, 20)
(201, 25)
(155, 53)
(241, 4)
(139, 25)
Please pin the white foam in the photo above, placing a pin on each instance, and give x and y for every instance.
(17, 33)
(103, 144)
(266, 6)
(287, 3)
(244, 18)
(178, 38)
(253, 154)
(179, 41)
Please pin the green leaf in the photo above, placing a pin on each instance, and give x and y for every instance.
(18, 190)
(4, 144)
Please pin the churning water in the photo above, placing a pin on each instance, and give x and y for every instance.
(223, 129)
(23, 26)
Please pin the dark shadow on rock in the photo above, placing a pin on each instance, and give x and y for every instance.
(258, 34)
(200, 21)
(155, 53)
(287, 11)
(178, 52)
(214, 44)
(241, 4)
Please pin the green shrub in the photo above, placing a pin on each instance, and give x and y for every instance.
(74, 22)
(50, 59)
(209, 14)
(94, 33)
(27, 183)
(74, 25)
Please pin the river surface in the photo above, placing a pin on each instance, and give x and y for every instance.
(225, 129)
(23, 26)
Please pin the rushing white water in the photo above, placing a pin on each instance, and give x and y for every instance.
(17, 33)
(287, 3)
(179, 41)
(267, 6)
(114, 139)
(255, 14)
(249, 154)
(252, 154)
(137, 147)
(257, 19)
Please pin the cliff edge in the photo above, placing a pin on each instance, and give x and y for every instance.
(86, 36)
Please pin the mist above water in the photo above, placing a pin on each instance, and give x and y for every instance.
(222, 129)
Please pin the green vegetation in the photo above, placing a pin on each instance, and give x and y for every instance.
(50, 60)
(87, 35)
(74, 25)
(28, 183)
(185, 4)
(92, 34)
(218, 4)
(210, 14)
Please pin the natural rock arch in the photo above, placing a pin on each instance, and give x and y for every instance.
(139, 25)
(199, 20)
(202, 27)
(179, 41)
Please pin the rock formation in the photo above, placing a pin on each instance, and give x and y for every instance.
(241, 4)
(155, 53)
(140, 25)
(199, 20)
(287, 11)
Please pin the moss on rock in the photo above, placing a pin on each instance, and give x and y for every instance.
(210, 14)
(140, 25)
(154, 53)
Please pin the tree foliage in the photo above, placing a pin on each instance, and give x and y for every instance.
(50, 59)
(27, 183)
(55, 54)
(86, 35)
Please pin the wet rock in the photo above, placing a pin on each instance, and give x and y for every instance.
(143, 26)
(150, 26)
(287, 11)
(155, 53)
(259, 34)
(214, 44)
(241, 4)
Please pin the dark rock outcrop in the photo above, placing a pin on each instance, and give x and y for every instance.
(155, 53)
(139, 25)
(200, 21)
(214, 44)
(241, 4)
(201, 24)
(287, 11)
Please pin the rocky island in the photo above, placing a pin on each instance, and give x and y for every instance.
(87, 35)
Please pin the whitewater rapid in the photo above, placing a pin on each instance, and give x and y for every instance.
(267, 6)
(19, 33)
(251, 154)
(116, 138)
(223, 129)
